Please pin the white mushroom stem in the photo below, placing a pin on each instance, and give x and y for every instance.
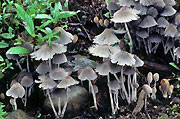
(94, 96)
(25, 97)
(155, 84)
(52, 105)
(116, 100)
(110, 94)
(31, 89)
(27, 61)
(50, 64)
(129, 88)
(129, 35)
(59, 106)
(135, 89)
(145, 46)
(65, 104)
(15, 104)
(19, 64)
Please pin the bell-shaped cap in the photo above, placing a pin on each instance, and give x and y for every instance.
(124, 15)
(87, 74)
(123, 58)
(65, 37)
(177, 19)
(142, 33)
(59, 59)
(67, 82)
(107, 37)
(43, 68)
(104, 51)
(155, 38)
(27, 81)
(149, 77)
(114, 85)
(156, 77)
(148, 22)
(164, 87)
(171, 31)
(129, 71)
(170, 2)
(142, 9)
(58, 74)
(159, 3)
(162, 22)
(139, 62)
(12, 56)
(153, 12)
(168, 11)
(147, 2)
(126, 3)
(112, 6)
(47, 52)
(147, 89)
(46, 82)
(16, 91)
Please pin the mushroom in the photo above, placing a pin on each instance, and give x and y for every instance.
(43, 68)
(164, 87)
(16, 91)
(59, 59)
(101, 22)
(159, 3)
(58, 74)
(156, 78)
(170, 2)
(106, 23)
(125, 15)
(112, 6)
(153, 12)
(96, 20)
(126, 3)
(89, 74)
(177, 19)
(14, 57)
(170, 90)
(168, 11)
(149, 78)
(66, 83)
(154, 90)
(146, 2)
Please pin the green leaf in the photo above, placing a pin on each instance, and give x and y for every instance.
(8, 35)
(174, 65)
(29, 25)
(66, 14)
(43, 16)
(1, 75)
(66, 4)
(178, 85)
(18, 50)
(1, 59)
(3, 44)
(107, 14)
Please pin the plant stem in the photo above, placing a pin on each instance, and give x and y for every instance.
(130, 38)
(19, 65)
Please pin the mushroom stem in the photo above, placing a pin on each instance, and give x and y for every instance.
(129, 89)
(15, 104)
(19, 65)
(65, 105)
(145, 46)
(129, 35)
(155, 84)
(59, 106)
(94, 96)
(52, 105)
(25, 97)
(50, 64)
(27, 61)
(145, 107)
(110, 94)
(122, 82)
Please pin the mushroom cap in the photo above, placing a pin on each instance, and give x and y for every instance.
(124, 15)
(58, 74)
(162, 22)
(168, 11)
(87, 74)
(139, 62)
(146, 2)
(149, 77)
(27, 81)
(170, 90)
(170, 2)
(156, 77)
(65, 37)
(107, 37)
(159, 3)
(142, 9)
(114, 85)
(177, 52)
(154, 90)
(123, 58)
(164, 87)
(28, 46)
(67, 82)
(126, 3)
(46, 52)
(43, 68)
(147, 89)
(46, 82)
(177, 20)
(142, 33)
(155, 38)
(12, 56)
(59, 59)
(16, 91)
(104, 51)
(106, 68)
(153, 12)
(112, 6)
(148, 22)
(129, 71)
(171, 31)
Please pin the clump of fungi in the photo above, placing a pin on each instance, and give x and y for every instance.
(166, 88)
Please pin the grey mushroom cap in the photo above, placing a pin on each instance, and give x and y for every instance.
(87, 74)
(177, 19)
(59, 59)
(43, 68)
(177, 52)
(65, 37)
(168, 11)
(142, 33)
(12, 56)
(107, 37)
(142, 9)
(159, 3)
(112, 6)
(126, 3)
(170, 2)
(124, 15)
(58, 74)
(171, 31)
(28, 46)
(148, 22)
(47, 52)
(123, 58)
(139, 62)
(114, 85)
(146, 2)
(153, 12)
(27, 81)
(129, 71)
(162, 22)
(67, 82)
(47, 83)
(16, 91)
(155, 38)
(104, 51)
